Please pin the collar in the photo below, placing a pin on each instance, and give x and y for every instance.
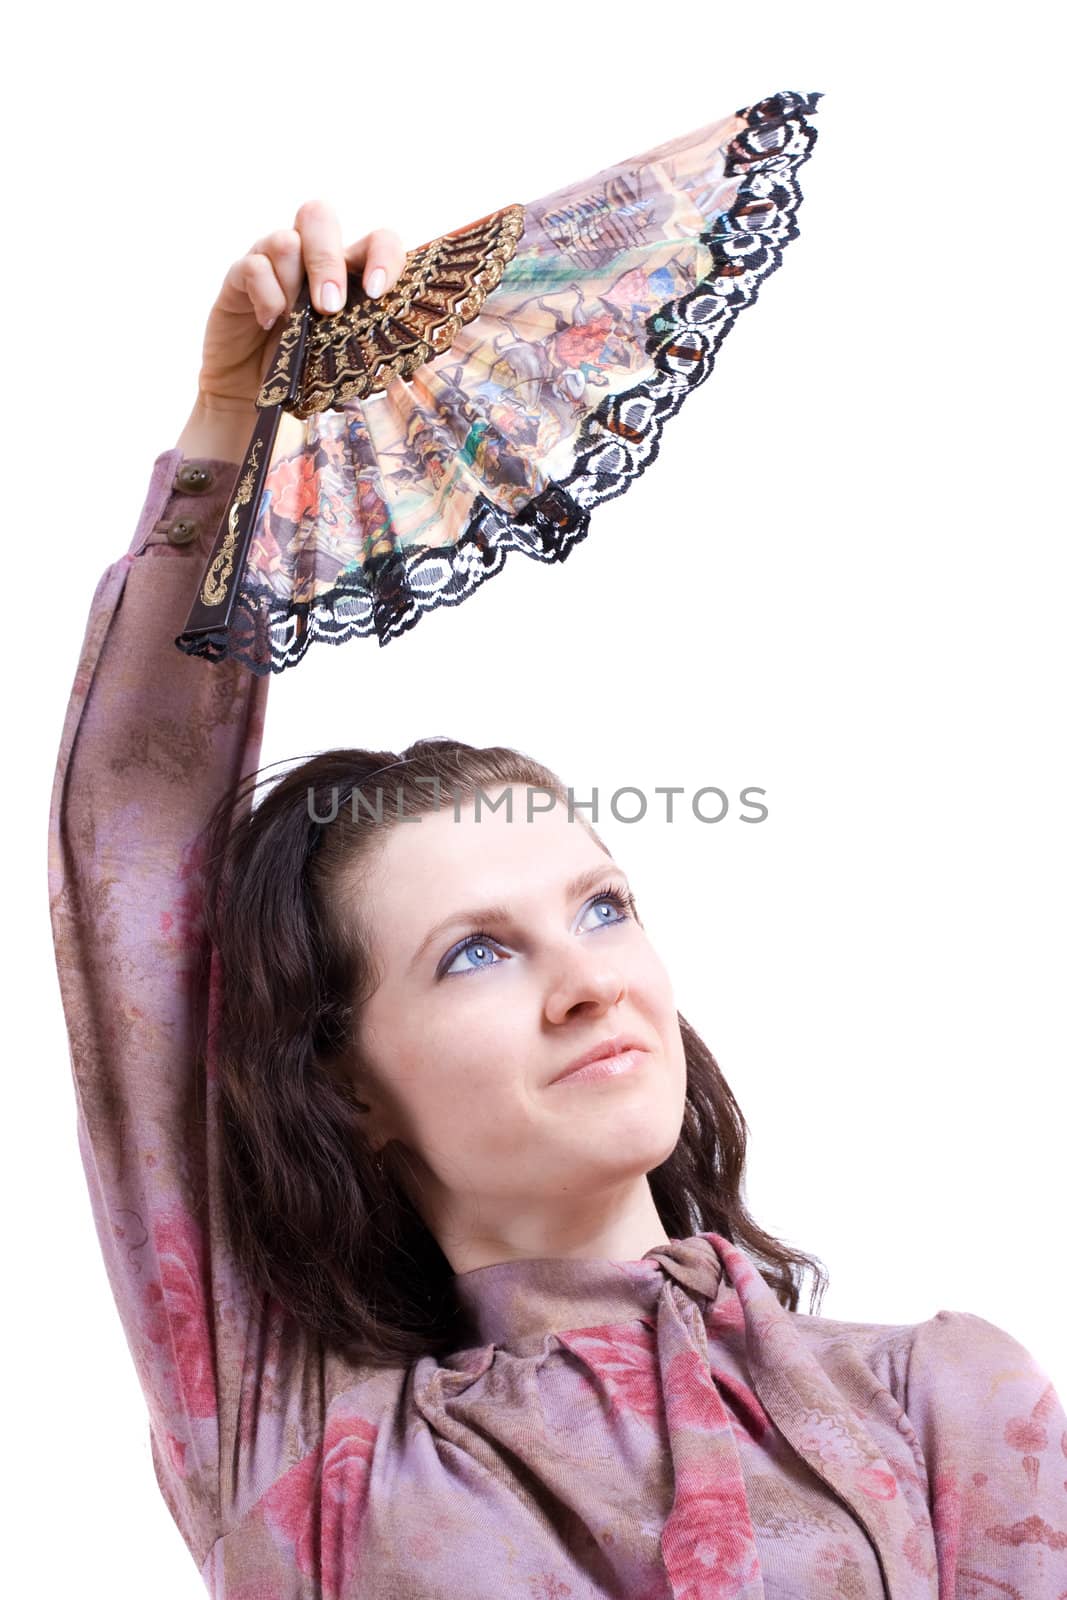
(516, 1303)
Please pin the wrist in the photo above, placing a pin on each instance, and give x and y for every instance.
(218, 431)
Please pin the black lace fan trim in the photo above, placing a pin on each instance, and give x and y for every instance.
(616, 443)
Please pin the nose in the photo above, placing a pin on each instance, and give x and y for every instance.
(583, 980)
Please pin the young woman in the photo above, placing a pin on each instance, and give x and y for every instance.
(420, 1201)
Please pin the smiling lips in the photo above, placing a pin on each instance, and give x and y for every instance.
(607, 1056)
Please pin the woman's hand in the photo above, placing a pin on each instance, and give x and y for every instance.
(260, 288)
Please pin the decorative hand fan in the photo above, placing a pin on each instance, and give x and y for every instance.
(519, 373)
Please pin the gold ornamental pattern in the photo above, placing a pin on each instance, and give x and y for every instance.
(359, 350)
(216, 582)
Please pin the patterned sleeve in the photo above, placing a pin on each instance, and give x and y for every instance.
(994, 1435)
(151, 738)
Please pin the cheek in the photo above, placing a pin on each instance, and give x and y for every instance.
(650, 979)
(468, 1049)
(653, 992)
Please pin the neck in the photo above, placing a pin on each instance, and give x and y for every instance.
(616, 1225)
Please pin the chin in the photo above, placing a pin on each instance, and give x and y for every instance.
(649, 1134)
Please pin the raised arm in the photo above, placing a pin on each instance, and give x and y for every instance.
(152, 739)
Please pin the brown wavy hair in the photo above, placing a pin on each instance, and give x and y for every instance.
(314, 1218)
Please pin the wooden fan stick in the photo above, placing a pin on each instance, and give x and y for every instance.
(212, 610)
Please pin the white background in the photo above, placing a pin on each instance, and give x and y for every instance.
(842, 581)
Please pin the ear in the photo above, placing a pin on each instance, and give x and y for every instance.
(372, 1113)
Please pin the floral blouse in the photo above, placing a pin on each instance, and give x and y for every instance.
(658, 1429)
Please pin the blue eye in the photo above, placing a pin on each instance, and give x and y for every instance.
(482, 944)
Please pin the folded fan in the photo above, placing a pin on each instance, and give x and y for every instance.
(519, 372)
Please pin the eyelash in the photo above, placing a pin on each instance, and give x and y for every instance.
(619, 897)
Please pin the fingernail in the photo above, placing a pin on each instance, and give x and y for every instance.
(330, 297)
(268, 325)
(376, 282)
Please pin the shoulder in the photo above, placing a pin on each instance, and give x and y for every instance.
(959, 1365)
(961, 1345)
(956, 1369)
(950, 1341)
(984, 1429)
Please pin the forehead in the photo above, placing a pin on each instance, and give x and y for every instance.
(448, 860)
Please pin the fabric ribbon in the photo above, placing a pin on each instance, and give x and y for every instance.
(709, 1544)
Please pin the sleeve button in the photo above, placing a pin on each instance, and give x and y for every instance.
(183, 530)
(193, 478)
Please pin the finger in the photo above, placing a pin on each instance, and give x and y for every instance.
(251, 286)
(380, 251)
(283, 249)
(324, 259)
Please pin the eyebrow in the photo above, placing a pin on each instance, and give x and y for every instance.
(502, 913)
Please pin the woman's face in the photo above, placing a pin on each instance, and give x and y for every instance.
(463, 1036)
